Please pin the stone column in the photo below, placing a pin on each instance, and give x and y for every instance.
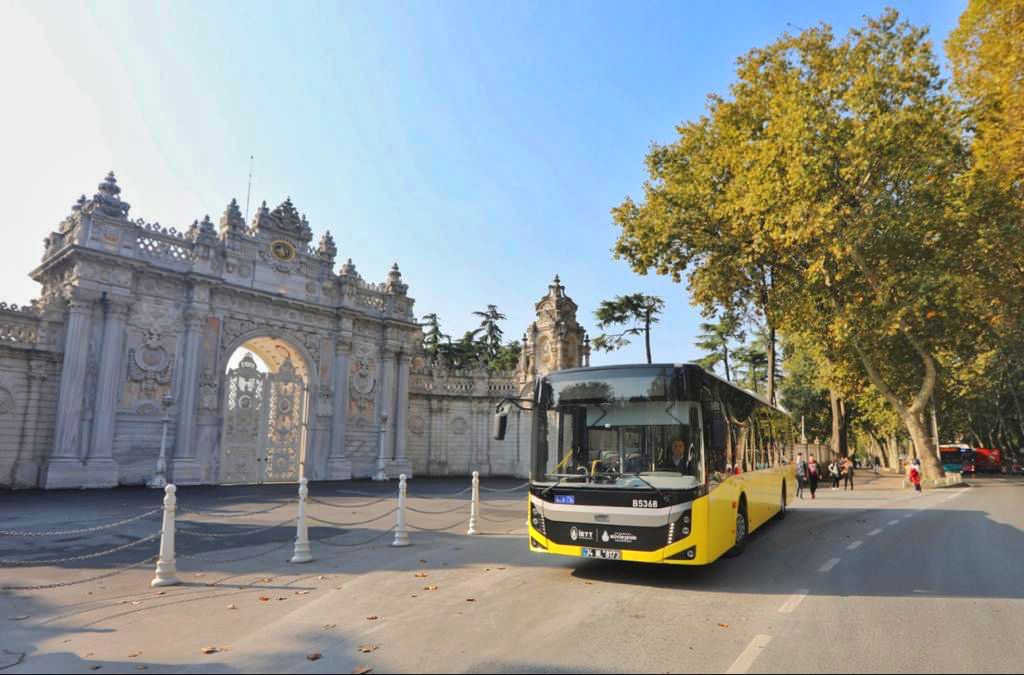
(388, 376)
(100, 465)
(64, 468)
(26, 468)
(339, 467)
(402, 464)
(185, 468)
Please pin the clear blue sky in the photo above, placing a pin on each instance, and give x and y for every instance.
(481, 145)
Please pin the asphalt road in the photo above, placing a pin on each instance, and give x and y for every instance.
(874, 580)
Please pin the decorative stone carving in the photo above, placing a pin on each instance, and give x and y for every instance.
(209, 391)
(417, 425)
(6, 401)
(150, 372)
(235, 328)
(459, 426)
(324, 402)
(362, 383)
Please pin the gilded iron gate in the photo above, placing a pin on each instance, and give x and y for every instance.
(264, 433)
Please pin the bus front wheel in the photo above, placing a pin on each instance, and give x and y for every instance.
(782, 505)
(742, 530)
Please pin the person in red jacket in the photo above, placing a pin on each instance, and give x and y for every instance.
(915, 474)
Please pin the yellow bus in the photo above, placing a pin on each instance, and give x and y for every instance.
(652, 463)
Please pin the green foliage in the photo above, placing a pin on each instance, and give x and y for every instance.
(433, 339)
(716, 338)
(480, 347)
(638, 311)
(489, 334)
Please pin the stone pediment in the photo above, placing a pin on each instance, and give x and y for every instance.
(285, 220)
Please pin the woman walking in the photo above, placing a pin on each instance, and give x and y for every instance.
(812, 475)
(833, 473)
(915, 474)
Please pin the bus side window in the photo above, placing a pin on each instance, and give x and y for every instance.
(714, 435)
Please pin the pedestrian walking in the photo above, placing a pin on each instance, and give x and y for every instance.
(833, 474)
(878, 465)
(801, 475)
(915, 474)
(812, 475)
(848, 474)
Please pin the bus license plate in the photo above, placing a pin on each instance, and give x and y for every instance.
(602, 553)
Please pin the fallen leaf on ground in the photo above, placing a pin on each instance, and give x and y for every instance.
(301, 592)
(315, 656)
(424, 562)
(366, 649)
(421, 575)
(264, 598)
(321, 578)
(95, 666)
(328, 626)
(232, 607)
(282, 598)
(362, 670)
(372, 617)
(210, 650)
(723, 625)
(266, 580)
(430, 588)
(134, 655)
(470, 599)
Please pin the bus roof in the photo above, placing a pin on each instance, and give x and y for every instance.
(677, 366)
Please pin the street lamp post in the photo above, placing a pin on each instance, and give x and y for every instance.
(381, 462)
(159, 479)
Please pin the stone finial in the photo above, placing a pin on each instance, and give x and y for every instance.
(205, 226)
(107, 199)
(556, 289)
(394, 284)
(349, 269)
(82, 201)
(232, 220)
(326, 249)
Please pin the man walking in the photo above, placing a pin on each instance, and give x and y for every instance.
(848, 474)
(801, 474)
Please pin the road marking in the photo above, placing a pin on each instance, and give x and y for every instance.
(894, 522)
(794, 601)
(910, 515)
(873, 533)
(854, 546)
(750, 654)
(827, 567)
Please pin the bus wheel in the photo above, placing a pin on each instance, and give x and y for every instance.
(782, 506)
(742, 529)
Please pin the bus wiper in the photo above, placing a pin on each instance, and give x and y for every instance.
(650, 485)
(564, 477)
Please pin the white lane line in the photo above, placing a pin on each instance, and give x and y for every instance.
(750, 654)
(793, 602)
(854, 546)
(910, 515)
(827, 567)
(894, 522)
(873, 533)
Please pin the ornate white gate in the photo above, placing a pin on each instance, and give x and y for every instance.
(264, 430)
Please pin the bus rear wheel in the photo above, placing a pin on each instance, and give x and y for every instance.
(742, 530)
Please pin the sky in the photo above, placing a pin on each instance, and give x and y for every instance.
(479, 145)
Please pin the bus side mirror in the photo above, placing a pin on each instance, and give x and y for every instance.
(500, 423)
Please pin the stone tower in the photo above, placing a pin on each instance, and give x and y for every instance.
(554, 341)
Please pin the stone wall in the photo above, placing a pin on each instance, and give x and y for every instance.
(450, 424)
(29, 373)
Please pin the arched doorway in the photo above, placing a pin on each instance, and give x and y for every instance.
(266, 413)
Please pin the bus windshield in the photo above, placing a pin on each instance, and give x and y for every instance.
(622, 430)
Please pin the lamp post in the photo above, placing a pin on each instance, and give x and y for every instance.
(159, 479)
(381, 463)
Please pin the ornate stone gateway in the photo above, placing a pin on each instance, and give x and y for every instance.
(264, 427)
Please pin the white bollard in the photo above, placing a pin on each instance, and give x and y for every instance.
(302, 553)
(401, 535)
(474, 505)
(166, 569)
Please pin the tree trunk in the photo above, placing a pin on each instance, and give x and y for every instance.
(839, 436)
(647, 334)
(771, 363)
(725, 358)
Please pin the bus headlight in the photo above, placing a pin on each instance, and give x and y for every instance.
(680, 527)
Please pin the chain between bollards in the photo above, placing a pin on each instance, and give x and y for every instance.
(302, 553)
(474, 505)
(166, 568)
(401, 534)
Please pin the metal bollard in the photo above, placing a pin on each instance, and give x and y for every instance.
(166, 569)
(401, 535)
(474, 505)
(302, 553)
